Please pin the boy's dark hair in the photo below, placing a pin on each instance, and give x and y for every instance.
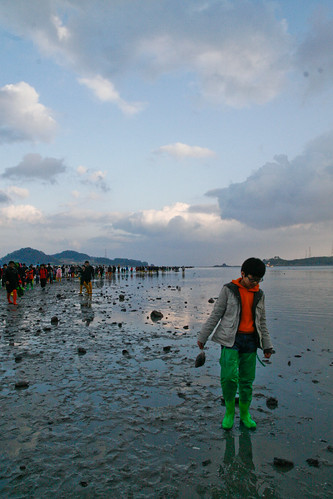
(254, 266)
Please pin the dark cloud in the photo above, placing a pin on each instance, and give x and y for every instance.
(34, 167)
(284, 193)
(4, 198)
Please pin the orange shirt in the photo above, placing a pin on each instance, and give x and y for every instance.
(246, 324)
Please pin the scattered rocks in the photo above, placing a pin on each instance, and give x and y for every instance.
(272, 403)
(283, 464)
(156, 315)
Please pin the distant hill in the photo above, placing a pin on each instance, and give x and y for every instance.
(276, 261)
(30, 255)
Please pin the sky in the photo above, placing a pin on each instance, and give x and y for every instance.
(197, 132)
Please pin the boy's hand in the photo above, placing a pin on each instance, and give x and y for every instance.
(200, 345)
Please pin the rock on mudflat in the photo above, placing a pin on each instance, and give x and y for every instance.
(81, 351)
(156, 315)
(313, 462)
(272, 403)
(283, 464)
(54, 320)
(200, 360)
(21, 384)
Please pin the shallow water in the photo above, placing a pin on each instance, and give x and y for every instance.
(133, 417)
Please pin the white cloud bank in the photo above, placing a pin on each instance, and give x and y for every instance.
(20, 213)
(183, 151)
(22, 116)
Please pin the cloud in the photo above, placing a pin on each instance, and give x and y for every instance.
(105, 91)
(93, 178)
(4, 198)
(20, 213)
(236, 53)
(34, 167)
(183, 151)
(284, 193)
(22, 116)
(18, 191)
(177, 218)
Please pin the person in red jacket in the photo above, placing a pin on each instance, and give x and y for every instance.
(29, 276)
(43, 274)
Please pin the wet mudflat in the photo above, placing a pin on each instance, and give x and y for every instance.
(107, 402)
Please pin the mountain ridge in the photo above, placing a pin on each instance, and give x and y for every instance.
(33, 256)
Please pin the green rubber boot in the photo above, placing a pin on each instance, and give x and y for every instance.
(245, 416)
(229, 382)
(228, 420)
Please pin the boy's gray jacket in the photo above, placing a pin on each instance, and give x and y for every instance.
(226, 314)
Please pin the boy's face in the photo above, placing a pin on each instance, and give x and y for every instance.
(250, 281)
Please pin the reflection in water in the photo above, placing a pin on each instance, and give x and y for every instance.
(13, 322)
(87, 312)
(238, 471)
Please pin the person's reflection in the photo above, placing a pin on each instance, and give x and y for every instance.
(238, 470)
(13, 323)
(87, 312)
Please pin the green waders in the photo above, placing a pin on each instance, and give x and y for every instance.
(237, 371)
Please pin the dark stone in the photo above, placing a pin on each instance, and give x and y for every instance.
(206, 462)
(211, 300)
(81, 351)
(156, 316)
(21, 384)
(185, 327)
(283, 464)
(272, 403)
(54, 320)
(167, 348)
(200, 360)
(18, 358)
(313, 462)
(121, 297)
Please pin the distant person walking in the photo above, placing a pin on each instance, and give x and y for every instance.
(12, 281)
(238, 321)
(58, 274)
(87, 277)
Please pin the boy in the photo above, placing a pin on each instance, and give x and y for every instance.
(239, 324)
